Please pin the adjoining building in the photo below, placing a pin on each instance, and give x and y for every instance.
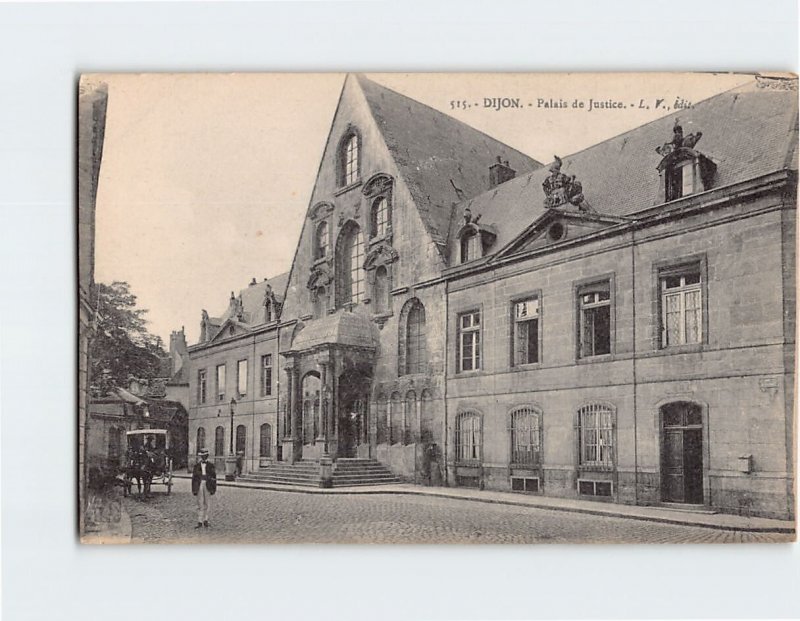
(618, 325)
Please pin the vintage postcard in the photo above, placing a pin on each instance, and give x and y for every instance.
(437, 308)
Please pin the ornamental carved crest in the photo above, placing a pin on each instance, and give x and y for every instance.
(560, 189)
(382, 254)
(679, 141)
(321, 276)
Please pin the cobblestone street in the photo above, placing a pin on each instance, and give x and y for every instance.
(258, 516)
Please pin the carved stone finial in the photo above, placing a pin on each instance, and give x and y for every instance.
(678, 141)
(467, 215)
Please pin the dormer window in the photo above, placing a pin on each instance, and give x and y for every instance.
(684, 171)
(470, 246)
(349, 159)
(681, 180)
(321, 241)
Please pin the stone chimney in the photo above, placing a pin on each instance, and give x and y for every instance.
(177, 349)
(500, 172)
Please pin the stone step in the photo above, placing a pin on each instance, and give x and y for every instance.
(281, 481)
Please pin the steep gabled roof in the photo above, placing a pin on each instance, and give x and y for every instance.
(747, 132)
(430, 149)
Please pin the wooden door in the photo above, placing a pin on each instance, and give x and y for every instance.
(682, 454)
(672, 474)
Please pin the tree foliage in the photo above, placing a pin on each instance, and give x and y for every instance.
(122, 346)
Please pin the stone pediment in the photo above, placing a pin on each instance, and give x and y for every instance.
(231, 328)
(558, 225)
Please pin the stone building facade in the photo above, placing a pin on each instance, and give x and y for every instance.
(92, 105)
(232, 377)
(618, 325)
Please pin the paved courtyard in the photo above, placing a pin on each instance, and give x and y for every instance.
(258, 516)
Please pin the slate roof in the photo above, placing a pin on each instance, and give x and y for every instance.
(747, 132)
(431, 148)
(253, 298)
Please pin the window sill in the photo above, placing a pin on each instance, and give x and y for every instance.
(319, 261)
(347, 188)
(386, 237)
(593, 359)
(680, 349)
(528, 366)
(595, 468)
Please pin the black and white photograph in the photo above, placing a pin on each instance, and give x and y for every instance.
(437, 308)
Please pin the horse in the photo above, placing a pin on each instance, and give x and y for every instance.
(140, 464)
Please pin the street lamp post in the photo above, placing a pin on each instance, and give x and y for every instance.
(230, 461)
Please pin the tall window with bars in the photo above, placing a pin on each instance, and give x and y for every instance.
(241, 377)
(595, 319)
(266, 375)
(526, 331)
(379, 217)
(596, 435)
(220, 382)
(526, 440)
(469, 341)
(349, 160)
(201, 438)
(681, 306)
(468, 437)
(201, 386)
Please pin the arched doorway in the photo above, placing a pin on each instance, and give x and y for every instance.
(352, 422)
(682, 453)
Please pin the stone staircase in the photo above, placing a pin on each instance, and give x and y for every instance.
(347, 473)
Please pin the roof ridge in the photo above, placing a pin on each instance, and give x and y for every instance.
(632, 130)
(361, 76)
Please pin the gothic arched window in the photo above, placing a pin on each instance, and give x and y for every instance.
(350, 275)
(413, 344)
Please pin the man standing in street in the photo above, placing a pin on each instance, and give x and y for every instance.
(204, 486)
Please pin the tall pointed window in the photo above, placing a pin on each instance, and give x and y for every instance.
(349, 160)
(351, 265)
(241, 438)
(413, 346)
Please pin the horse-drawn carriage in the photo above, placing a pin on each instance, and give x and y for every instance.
(148, 460)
